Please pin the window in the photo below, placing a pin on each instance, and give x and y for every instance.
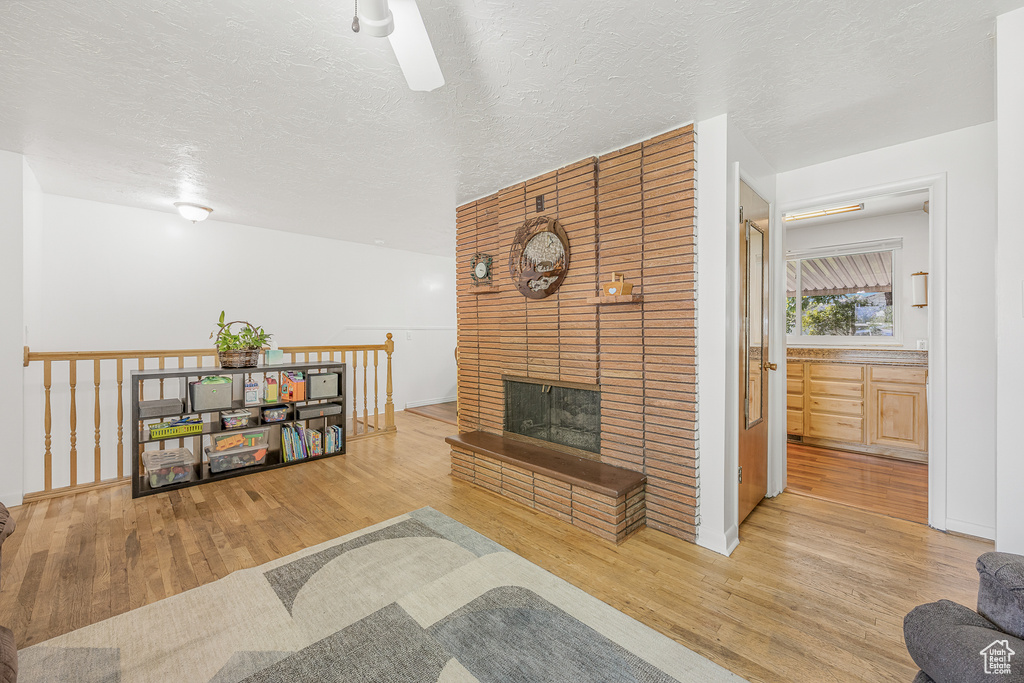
(843, 291)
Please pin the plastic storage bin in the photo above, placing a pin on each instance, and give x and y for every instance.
(278, 414)
(168, 467)
(250, 438)
(235, 418)
(235, 458)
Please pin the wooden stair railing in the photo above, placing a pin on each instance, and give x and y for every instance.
(364, 357)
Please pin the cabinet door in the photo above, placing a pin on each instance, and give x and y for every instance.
(898, 416)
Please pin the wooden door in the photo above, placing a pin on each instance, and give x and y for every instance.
(754, 365)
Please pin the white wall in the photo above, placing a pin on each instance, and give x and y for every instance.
(967, 159)
(724, 155)
(913, 258)
(1010, 281)
(11, 327)
(103, 277)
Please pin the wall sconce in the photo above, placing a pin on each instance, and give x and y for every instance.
(919, 289)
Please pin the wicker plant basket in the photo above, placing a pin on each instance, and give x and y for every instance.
(239, 358)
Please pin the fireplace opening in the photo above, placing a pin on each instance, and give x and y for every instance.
(562, 415)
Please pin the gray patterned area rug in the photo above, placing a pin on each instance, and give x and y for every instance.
(417, 598)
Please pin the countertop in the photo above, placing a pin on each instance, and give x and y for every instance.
(858, 356)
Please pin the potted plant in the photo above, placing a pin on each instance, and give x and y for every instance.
(239, 349)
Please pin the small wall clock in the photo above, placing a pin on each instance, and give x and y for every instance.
(539, 258)
(481, 268)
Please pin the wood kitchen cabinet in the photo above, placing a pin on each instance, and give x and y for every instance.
(867, 408)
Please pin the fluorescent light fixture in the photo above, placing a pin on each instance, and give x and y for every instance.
(413, 49)
(193, 212)
(823, 212)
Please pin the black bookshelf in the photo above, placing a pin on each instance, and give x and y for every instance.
(175, 385)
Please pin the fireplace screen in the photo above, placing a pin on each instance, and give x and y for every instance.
(560, 415)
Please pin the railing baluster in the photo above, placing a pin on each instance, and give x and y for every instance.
(389, 406)
(181, 364)
(366, 414)
(376, 410)
(355, 403)
(74, 422)
(47, 456)
(120, 417)
(163, 362)
(96, 413)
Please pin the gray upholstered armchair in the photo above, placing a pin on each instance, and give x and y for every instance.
(8, 648)
(952, 643)
(6, 529)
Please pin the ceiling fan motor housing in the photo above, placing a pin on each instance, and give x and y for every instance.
(375, 18)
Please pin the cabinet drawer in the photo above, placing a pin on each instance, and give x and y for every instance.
(795, 370)
(838, 427)
(850, 373)
(897, 374)
(840, 406)
(795, 386)
(837, 389)
(794, 401)
(795, 422)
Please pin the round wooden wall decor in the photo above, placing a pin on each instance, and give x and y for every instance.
(539, 258)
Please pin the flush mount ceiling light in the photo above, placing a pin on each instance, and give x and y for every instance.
(193, 212)
(823, 212)
(400, 21)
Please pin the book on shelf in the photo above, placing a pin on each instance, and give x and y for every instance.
(334, 438)
(299, 441)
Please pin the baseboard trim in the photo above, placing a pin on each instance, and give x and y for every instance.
(11, 498)
(722, 543)
(431, 402)
(971, 529)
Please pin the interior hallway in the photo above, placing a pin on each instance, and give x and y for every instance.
(897, 488)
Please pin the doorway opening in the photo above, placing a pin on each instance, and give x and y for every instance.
(857, 352)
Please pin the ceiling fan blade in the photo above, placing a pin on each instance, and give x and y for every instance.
(412, 47)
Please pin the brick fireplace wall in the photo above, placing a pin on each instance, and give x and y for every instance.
(631, 211)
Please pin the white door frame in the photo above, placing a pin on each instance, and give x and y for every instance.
(936, 186)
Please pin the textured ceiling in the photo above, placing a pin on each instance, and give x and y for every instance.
(277, 115)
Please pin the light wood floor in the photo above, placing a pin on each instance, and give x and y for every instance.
(445, 412)
(897, 488)
(814, 592)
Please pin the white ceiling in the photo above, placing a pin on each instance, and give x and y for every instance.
(276, 115)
